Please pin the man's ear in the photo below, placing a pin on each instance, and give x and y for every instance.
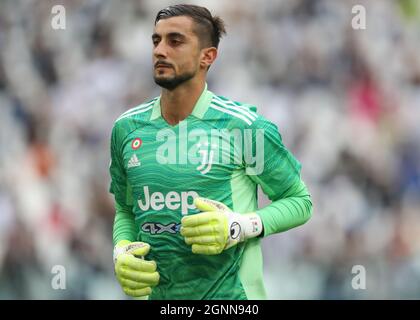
(208, 55)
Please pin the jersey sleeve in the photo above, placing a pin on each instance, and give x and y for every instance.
(119, 185)
(278, 174)
(124, 227)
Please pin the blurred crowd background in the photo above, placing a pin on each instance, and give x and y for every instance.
(347, 103)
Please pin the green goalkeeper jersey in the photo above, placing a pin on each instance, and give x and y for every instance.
(221, 151)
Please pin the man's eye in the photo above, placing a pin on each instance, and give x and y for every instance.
(175, 42)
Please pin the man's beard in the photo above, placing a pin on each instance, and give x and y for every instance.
(174, 82)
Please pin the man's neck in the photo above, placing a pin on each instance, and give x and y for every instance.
(178, 104)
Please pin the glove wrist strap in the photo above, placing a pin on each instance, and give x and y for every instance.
(252, 225)
(243, 227)
(117, 252)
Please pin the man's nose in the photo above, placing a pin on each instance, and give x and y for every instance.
(160, 50)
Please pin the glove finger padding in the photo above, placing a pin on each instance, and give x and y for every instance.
(130, 262)
(206, 239)
(149, 278)
(137, 293)
(207, 232)
(138, 249)
(206, 249)
(135, 274)
(204, 204)
(204, 218)
(199, 230)
(133, 285)
(218, 228)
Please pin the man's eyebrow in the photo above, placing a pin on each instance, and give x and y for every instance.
(170, 35)
(176, 35)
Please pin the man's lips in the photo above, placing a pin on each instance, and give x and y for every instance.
(162, 65)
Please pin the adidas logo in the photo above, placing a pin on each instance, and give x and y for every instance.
(133, 162)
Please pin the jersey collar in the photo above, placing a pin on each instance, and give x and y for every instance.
(199, 110)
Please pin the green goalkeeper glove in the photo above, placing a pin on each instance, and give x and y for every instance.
(135, 275)
(218, 228)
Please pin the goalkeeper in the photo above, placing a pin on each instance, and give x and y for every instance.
(187, 225)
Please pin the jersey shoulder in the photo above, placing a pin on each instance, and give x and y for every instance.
(132, 119)
(137, 112)
(239, 114)
(135, 117)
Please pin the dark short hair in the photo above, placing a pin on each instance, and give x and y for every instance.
(209, 29)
